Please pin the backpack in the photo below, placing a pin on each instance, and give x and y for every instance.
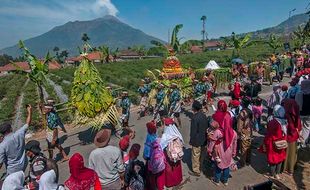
(175, 150)
(234, 120)
(157, 160)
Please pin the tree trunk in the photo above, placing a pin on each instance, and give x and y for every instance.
(41, 105)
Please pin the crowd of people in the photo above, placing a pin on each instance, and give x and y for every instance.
(224, 138)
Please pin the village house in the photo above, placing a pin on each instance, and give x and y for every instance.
(209, 45)
(24, 66)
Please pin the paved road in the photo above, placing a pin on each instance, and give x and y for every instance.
(245, 176)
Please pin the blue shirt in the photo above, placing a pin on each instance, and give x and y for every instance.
(12, 151)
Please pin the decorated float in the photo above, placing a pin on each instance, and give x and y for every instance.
(93, 103)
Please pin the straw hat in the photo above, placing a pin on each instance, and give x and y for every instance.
(102, 138)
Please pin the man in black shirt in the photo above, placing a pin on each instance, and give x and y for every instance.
(252, 89)
(199, 123)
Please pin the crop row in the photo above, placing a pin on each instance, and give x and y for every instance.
(11, 87)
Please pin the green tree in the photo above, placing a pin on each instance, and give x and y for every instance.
(203, 32)
(63, 55)
(240, 43)
(140, 50)
(226, 42)
(299, 36)
(85, 38)
(56, 50)
(37, 74)
(175, 40)
(274, 42)
(104, 53)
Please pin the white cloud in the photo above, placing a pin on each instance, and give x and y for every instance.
(105, 5)
(67, 10)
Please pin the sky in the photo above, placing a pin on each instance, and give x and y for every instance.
(23, 19)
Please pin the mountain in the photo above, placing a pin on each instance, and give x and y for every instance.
(286, 27)
(107, 31)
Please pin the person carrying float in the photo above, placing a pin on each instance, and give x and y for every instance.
(125, 105)
(160, 111)
(143, 91)
(175, 103)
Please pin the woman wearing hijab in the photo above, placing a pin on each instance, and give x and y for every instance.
(135, 171)
(48, 181)
(226, 140)
(303, 100)
(276, 133)
(81, 178)
(293, 129)
(14, 181)
(172, 143)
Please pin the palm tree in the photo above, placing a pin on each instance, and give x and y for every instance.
(38, 73)
(64, 54)
(115, 54)
(56, 50)
(240, 43)
(203, 32)
(274, 43)
(85, 38)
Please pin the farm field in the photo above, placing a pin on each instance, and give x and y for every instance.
(125, 74)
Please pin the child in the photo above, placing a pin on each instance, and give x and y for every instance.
(135, 172)
(124, 145)
(257, 112)
(284, 93)
(52, 133)
(210, 131)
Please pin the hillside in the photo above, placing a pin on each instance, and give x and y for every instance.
(285, 27)
(107, 30)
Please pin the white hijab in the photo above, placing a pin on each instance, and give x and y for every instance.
(279, 115)
(170, 133)
(14, 181)
(48, 181)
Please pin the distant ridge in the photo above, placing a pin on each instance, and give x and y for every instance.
(107, 30)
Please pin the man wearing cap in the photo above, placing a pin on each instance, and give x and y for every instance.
(37, 165)
(107, 161)
(12, 148)
(175, 103)
(199, 124)
(125, 105)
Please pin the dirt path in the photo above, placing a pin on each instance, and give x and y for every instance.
(17, 122)
(58, 89)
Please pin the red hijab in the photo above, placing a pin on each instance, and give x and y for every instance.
(237, 90)
(293, 119)
(81, 178)
(223, 118)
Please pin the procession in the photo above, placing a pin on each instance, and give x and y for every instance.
(221, 118)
